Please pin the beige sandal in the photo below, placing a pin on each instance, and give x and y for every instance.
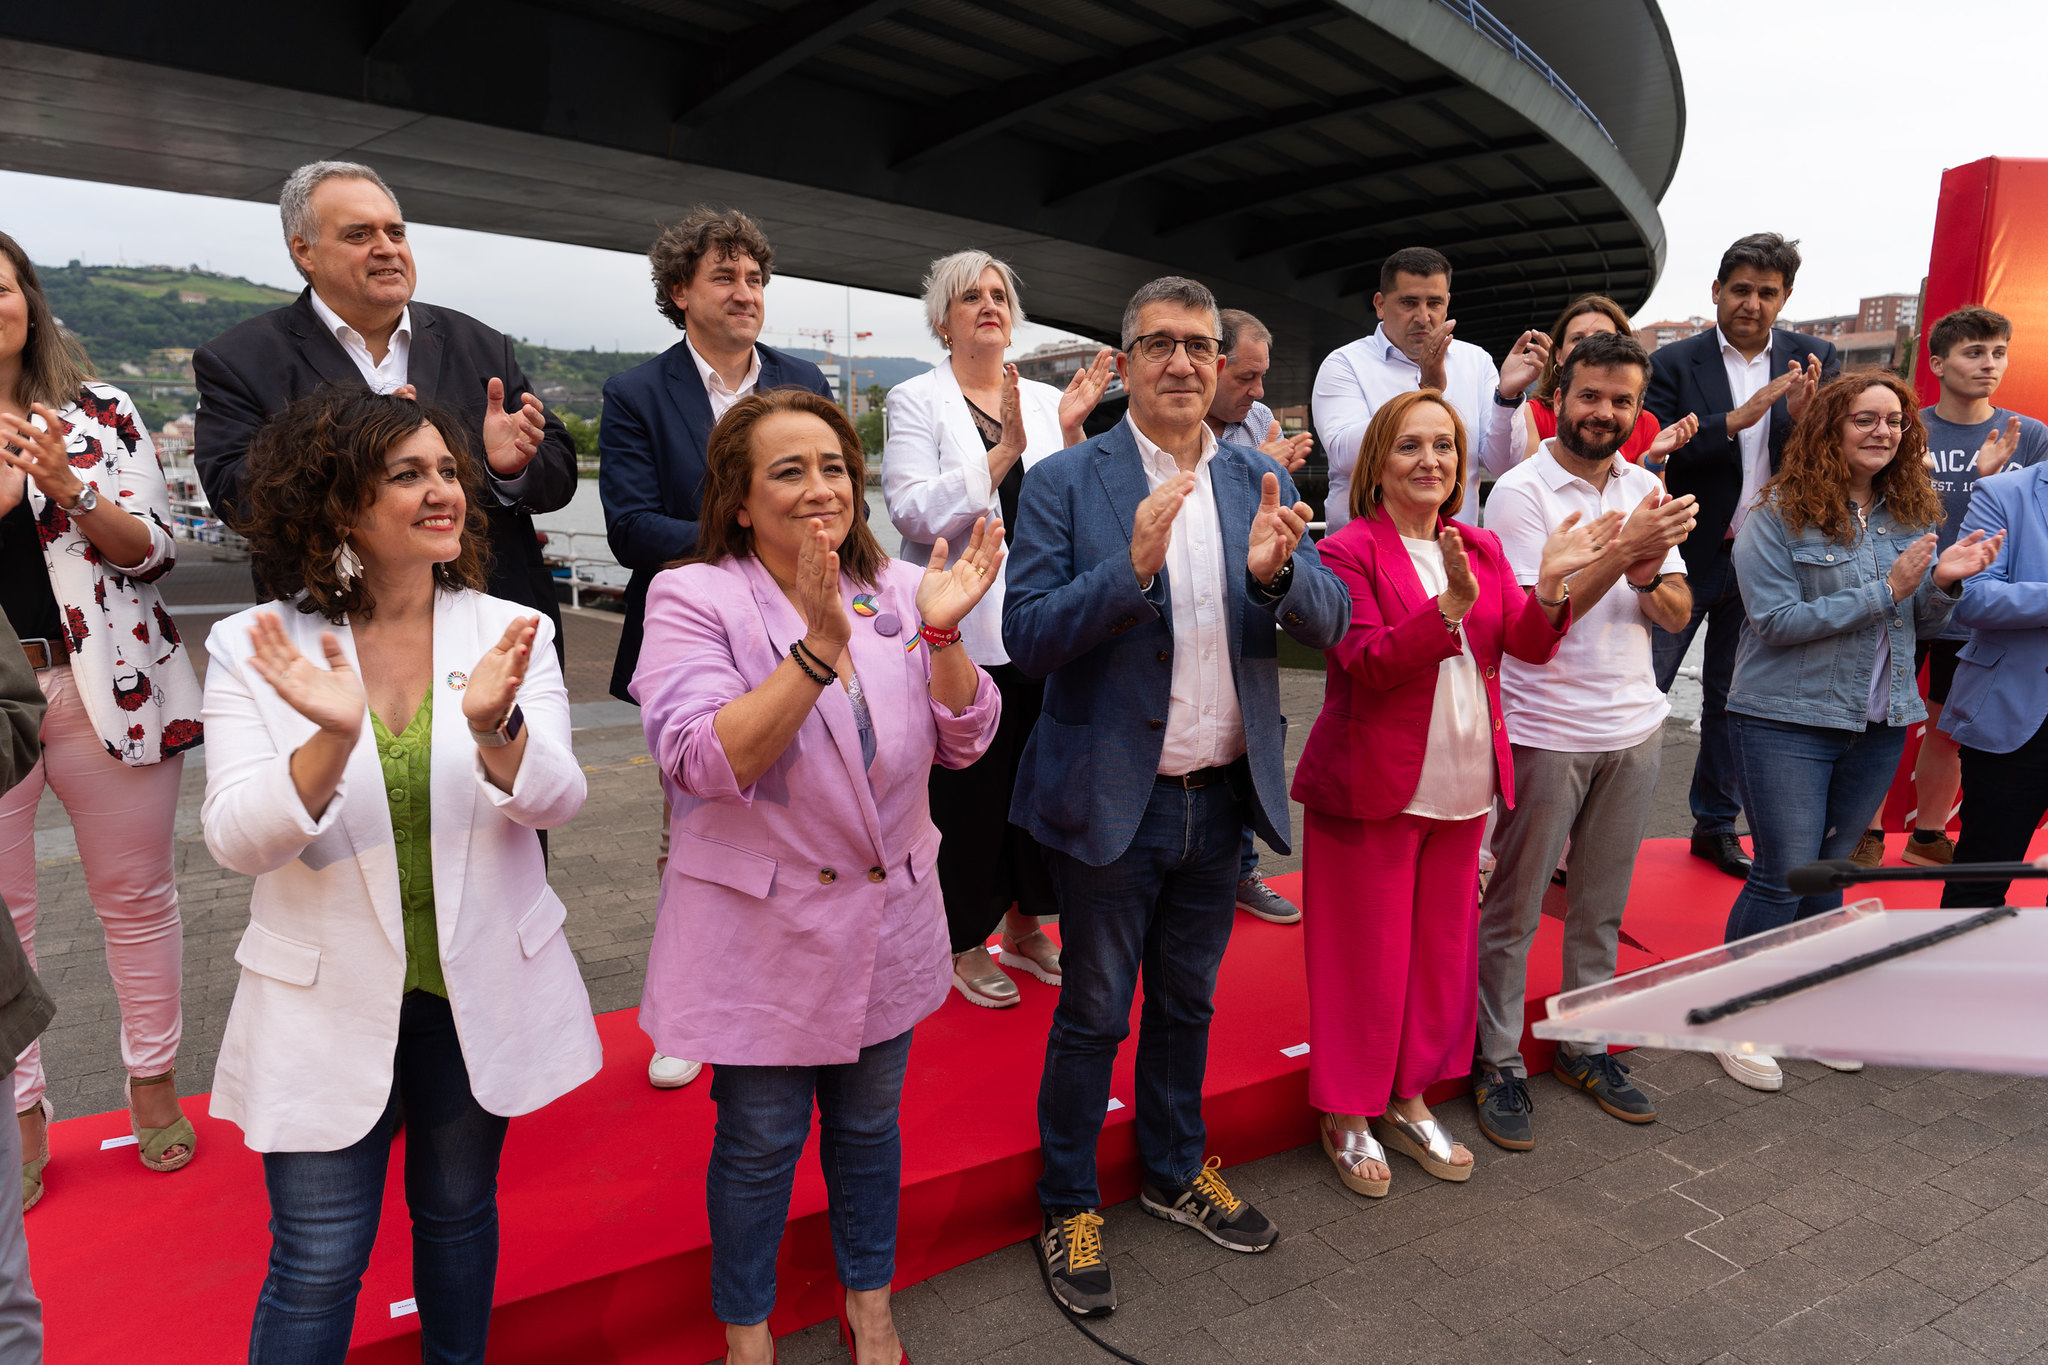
(1427, 1142)
(152, 1143)
(1349, 1150)
(32, 1171)
(1035, 953)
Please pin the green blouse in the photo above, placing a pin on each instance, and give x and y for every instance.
(407, 766)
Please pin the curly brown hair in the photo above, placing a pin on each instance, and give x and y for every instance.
(699, 233)
(1811, 487)
(729, 477)
(314, 468)
(1378, 444)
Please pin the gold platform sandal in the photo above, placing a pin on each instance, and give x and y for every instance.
(152, 1143)
(32, 1171)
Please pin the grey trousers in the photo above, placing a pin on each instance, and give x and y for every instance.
(1600, 801)
(21, 1315)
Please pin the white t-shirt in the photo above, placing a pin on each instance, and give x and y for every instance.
(1599, 694)
(1457, 764)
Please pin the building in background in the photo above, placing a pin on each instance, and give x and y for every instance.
(1655, 334)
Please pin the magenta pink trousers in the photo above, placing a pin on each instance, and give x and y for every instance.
(1390, 922)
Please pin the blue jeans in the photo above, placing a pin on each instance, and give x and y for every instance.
(1248, 856)
(1716, 599)
(764, 1119)
(1810, 793)
(1166, 906)
(324, 1207)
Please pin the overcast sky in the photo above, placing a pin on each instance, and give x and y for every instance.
(1829, 122)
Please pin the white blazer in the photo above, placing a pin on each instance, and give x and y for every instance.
(306, 1065)
(935, 480)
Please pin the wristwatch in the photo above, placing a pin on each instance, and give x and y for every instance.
(1646, 588)
(87, 500)
(507, 731)
(1280, 583)
(1500, 400)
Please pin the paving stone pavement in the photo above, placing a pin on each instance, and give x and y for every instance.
(1893, 1216)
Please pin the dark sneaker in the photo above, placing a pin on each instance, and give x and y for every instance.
(1504, 1104)
(1070, 1259)
(1211, 1209)
(1254, 897)
(1606, 1080)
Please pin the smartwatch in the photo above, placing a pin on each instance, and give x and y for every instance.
(507, 731)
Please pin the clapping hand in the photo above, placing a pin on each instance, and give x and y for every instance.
(1436, 344)
(1290, 451)
(826, 626)
(1974, 553)
(331, 697)
(494, 681)
(1805, 383)
(1152, 525)
(1276, 530)
(945, 596)
(1461, 588)
(511, 439)
(1525, 362)
(1010, 412)
(1669, 440)
(1083, 392)
(1911, 566)
(1997, 448)
(37, 453)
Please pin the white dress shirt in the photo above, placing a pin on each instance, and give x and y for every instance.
(1204, 727)
(381, 375)
(1457, 760)
(1599, 693)
(1356, 379)
(1745, 377)
(721, 394)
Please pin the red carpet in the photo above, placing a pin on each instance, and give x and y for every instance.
(605, 1252)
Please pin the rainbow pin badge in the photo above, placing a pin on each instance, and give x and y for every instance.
(457, 680)
(864, 605)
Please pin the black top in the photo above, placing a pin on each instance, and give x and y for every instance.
(1012, 486)
(25, 578)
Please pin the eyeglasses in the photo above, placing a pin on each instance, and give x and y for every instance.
(1157, 347)
(1867, 421)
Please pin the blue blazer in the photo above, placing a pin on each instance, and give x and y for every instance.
(2000, 694)
(1689, 377)
(650, 474)
(1073, 615)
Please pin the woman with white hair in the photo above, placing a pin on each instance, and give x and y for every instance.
(960, 438)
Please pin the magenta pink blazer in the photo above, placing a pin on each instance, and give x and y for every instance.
(1364, 756)
(800, 918)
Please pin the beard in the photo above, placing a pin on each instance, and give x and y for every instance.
(1589, 442)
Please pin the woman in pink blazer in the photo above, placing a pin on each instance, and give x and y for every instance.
(797, 685)
(1398, 776)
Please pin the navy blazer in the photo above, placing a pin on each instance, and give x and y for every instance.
(650, 473)
(2000, 695)
(1689, 377)
(1073, 615)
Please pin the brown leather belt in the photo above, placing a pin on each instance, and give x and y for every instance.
(46, 653)
(1200, 777)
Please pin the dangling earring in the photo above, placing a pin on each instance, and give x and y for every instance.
(347, 565)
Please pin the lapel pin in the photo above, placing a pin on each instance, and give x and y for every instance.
(887, 624)
(457, 680)
(864, 605)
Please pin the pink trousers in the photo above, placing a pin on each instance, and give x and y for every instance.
(122, 818)
(1390, 918)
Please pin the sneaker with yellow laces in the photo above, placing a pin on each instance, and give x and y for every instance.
(1069, 1250)
(1208, 1206)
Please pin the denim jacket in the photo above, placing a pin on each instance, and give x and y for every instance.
(1815, 607)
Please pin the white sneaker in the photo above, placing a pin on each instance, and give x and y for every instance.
(671, 1073)
(1834, 1064)
(1758, 1073)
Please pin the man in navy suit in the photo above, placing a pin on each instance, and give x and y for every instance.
(1747, 382)
(711, 274)
(1152, 566)
(711, 279)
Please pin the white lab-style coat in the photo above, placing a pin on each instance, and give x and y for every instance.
(935, 480)
(307, 1061)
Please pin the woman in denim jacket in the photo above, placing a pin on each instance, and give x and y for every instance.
(1833, 564)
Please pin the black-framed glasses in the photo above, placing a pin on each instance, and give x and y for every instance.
(1867, 421)
(1157, 347)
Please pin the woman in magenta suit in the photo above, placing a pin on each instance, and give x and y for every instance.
(1397, 778)
(796, 686)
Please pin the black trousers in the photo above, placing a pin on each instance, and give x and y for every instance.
(2004, 798)
(985, 862)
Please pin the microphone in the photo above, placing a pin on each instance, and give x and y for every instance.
(1817, 879)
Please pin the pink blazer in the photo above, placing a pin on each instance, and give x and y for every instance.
(1364, 756)
(800, 918)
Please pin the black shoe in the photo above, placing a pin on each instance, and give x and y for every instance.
(1606, 1080)
(1211, 1209)
(1724, 851)
(1504, 1104)
(1070, 1258)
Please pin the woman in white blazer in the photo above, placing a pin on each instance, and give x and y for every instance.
(960, 438)
(405, 960)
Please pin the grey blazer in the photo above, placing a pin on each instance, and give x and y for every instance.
(25, 1007)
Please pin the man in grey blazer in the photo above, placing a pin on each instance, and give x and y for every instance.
(1153, 565)
(25, 1010)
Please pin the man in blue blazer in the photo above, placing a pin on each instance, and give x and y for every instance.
(710, 277)
(1747, 382)
(1997, 708)
(1152, 566)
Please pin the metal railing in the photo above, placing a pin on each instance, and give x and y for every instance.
(601, 574)
(1498, 33)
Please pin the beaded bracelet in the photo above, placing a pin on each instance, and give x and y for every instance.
(825, 679)
(936, 638)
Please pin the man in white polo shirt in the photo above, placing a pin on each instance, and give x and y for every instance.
(1586, 729)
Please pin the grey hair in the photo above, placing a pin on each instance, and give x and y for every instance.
(1240, 326)
(1175, 289)
(951, 276)
(295, 203)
